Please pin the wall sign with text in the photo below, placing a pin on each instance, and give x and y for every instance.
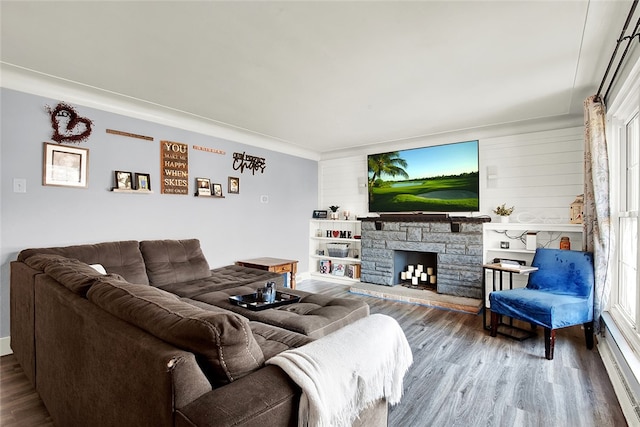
(174, 166)
(253, 163)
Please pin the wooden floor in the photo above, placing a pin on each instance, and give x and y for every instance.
(460, 375)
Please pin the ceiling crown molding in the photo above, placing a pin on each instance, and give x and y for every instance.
(35, 83)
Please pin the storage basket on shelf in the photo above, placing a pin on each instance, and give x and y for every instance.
(339, 250)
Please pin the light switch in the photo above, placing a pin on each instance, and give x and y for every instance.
(19, 185)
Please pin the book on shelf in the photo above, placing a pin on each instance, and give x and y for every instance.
(353, 271)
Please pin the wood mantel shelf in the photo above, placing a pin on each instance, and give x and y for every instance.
(425, 218)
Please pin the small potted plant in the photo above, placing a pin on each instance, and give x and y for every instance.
(334, 212)
(503, 212)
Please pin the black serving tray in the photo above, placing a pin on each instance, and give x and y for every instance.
(250, 301)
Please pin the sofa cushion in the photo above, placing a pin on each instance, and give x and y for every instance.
(75, 275)
(123, 258)
(222, 342)
(230, 276)
(273, 340)
(174, 261)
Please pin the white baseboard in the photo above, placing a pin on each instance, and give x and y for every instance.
(618, 369)
(5, 346)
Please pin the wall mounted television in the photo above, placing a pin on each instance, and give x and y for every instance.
(440, 178)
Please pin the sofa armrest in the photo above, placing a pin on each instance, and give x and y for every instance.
(266, 397)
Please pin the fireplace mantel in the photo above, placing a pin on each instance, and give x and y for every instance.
(426, 218)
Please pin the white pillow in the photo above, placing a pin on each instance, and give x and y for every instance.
(99, 268)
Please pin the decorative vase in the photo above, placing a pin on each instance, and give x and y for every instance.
(504, 219)
(335, 215)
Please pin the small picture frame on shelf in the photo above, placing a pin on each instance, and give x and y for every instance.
(203, 187)
(325, 266)
(65, 166)
(234, 185)
(338, 269)
(217, 190)
(319, 214)
(124, 180)
(143, 182)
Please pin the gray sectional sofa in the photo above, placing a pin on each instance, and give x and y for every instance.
(156, 342)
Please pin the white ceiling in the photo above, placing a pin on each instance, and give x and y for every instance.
(327, 75)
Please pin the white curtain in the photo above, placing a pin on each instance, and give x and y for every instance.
(598, 235)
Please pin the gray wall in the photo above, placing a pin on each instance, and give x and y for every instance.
(238, 226)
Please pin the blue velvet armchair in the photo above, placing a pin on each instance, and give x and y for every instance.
(557, 295)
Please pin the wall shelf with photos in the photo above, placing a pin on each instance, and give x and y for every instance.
(204, 188)
(121, 190)
(128, 182)
(334, 249)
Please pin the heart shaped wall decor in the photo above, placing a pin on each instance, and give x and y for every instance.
(67, 125)
(336, 233)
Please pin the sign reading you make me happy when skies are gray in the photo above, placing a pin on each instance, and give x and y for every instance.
(174, 164)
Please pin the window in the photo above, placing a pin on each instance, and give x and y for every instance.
(627, 283)
(624, 139)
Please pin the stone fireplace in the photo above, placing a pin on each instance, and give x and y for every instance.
(455, 242)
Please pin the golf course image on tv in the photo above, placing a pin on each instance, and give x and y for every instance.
(439, 178)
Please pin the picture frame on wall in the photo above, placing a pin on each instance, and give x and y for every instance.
(65, 166)
(124, 180)
(203, 187)
(234, 185)
(217, 190)
(143, 182)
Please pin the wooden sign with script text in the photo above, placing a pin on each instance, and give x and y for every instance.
(174, 166)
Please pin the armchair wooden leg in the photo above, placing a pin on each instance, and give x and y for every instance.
(549, 342)
(495, 319)
(588, 334)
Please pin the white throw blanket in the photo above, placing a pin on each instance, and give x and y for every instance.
(348, 370)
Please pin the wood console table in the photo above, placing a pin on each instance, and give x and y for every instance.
(276, 265)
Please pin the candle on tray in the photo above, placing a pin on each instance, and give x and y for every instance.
(432, 280)
(423, 277)
(403, 275)
(410, 269)
(419, 267)
(414, 280)
(429, 271)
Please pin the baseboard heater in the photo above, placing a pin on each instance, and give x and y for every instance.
(615, 354)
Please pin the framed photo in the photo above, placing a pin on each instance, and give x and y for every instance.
(203, 187)
(124, 180)
(234, 185)
(65, 166)
(217, 190)
(143, 181)
(338, 269)
(325, 266)
(319, 214)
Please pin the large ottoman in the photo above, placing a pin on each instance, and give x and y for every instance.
(314, 315)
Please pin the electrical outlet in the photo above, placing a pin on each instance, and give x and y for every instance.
(19, 185)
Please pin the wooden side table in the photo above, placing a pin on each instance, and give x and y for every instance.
(275, 265)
